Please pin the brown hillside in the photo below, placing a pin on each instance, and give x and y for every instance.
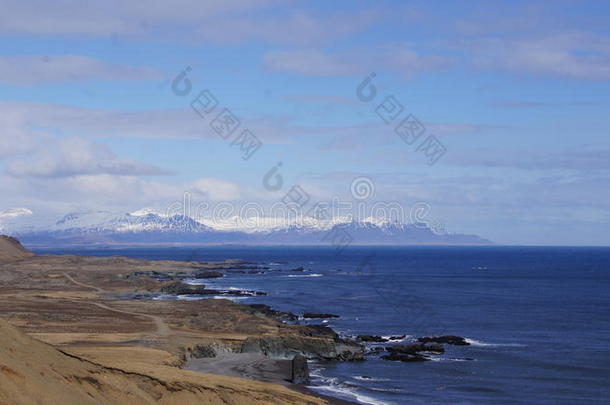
(33, 372)
(11, 249)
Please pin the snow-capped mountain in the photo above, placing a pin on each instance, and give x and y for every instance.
(17, 220)
(148, 226)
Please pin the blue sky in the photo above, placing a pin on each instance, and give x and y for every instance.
(516, 91)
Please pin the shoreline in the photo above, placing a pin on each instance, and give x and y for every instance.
(116, 310)
(269, 369)
(85, 307)
(258, 368)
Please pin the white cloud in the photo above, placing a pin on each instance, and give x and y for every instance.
(59, 195)
(171, 123)
(35, 70)
(323, 99)
(396, 58)
(103, 191)
(15, 136)
(128, 17)
(573, 55)
(216, 21)
(309, 62)
(217, 190)
(76, 156)
(294, 28)
(20, 118)
(582, 158)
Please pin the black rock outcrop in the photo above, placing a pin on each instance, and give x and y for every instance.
(447, 339)
(300, 370)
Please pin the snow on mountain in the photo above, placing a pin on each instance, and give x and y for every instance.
(149, 226)
(146, 211)
(15, 212)
(254, 225)
(139, 221)
(87, 220)
(13, 219)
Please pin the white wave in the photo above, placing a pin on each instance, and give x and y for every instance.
(316, 371)
(349, 393)
(196, 281)
(241, 289)
(164, 297)
(478, 343)
(303, 275)
(230, 298)
(334, 387)
(195, 297)
(407, 337)
(448, 359)
(192, 297)
(363, 378)
(394, 390)
(474, 342)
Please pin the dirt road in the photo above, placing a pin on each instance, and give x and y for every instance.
(163, 330)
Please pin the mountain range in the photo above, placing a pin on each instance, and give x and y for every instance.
(149, 227)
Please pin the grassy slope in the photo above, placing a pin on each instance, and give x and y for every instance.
(35, 372)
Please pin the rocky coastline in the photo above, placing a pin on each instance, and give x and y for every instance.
(71, 332)
(315, 341)
(129, 317)
(134, 314)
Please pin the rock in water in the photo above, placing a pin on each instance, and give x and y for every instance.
(300, 370)
(314, 315)
(448, 339)
(208, 274)
(415, 348)
(375, 350)
(371, 338)
(434, 348)
(268, 311)
(320, 331)
(406, 358)
(180, 288)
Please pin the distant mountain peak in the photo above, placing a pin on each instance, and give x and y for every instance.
(15, 212)
(149, 226)
(145, 212)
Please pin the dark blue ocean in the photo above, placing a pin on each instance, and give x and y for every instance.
(538, 318)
